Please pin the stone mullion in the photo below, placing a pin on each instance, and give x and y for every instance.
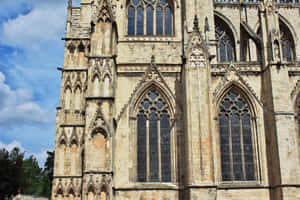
(159, 149)
(148, 150)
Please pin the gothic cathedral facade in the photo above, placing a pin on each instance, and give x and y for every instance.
(179, 100)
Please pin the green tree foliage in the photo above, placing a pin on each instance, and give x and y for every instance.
(48, 171)
(24, 175)
(10, 172)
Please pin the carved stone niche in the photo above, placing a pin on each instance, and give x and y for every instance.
(197, 58)
(100, 145)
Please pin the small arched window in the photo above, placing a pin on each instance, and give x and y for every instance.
(153, 139)
(142, 15)
(225, 41)
(236, 140)
(287, 43)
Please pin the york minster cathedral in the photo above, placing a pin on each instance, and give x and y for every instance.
(179, 100)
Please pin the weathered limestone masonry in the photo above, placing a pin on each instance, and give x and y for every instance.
(179, 99)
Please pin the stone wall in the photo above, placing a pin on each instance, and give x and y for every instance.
(108, 72)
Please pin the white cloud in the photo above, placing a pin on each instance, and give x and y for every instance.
(41, 156)
(17, 106)
(11, 146)
(45, 22)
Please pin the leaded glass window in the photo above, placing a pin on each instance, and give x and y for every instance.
(153, 139)
(236, 141)
(287, 44)
(225, 39)
(150, 17)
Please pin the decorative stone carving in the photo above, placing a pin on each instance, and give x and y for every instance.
(74, 138)
(63, 139)
(99, 122)
(197, 48)
(232, 75)
(151, 75)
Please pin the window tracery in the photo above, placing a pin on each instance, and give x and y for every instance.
(287, 43)
(236, 140)
(150, 17)
(225, 39)
(153, 139)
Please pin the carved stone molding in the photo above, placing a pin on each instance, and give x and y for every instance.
(232, 75)
(151, 75)
(99, 121)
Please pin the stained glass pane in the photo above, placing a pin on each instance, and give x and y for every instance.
(288, 52)
(236, 147)
(153, 147)
(225, 39)
(160, 104)
(146, 104)
(149, 21)
(287, 42)
(248, 149)
(142, 148)
(135, 2)
(236, 151)
(229, 52)
(165, 147)
(140, 21)
(163, 2)
(159, 21)
(131, 21)
(225, 151)
(157, 151)
(168, 21)
(222, 52)
(153, 95)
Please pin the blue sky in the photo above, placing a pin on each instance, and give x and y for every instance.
(30, 51)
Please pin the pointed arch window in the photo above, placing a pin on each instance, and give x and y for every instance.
(287, 43)
(153, 139)
(225, 41)
(150, 17)
(236, 140)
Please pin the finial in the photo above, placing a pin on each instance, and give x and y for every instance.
(196, 24)
(152, 59)
(70, 3)
(206, 25)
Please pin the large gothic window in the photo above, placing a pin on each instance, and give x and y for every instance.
(237, 151)
(225, 41)
(150, 17)
(153, 139)
(287, 43)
